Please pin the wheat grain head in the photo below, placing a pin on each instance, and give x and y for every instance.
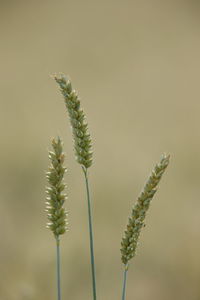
(139, 210)
(82, 140)
(56, 213)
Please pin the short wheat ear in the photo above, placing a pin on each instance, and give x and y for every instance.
(83, 153)
(136, 220)
(56, 213)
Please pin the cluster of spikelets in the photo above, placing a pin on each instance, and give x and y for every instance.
(82, 140)
(139, 210)
(56, 213)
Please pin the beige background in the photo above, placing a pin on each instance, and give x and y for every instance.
(136, 66)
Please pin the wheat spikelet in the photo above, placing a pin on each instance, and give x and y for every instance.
(139, 210)
(82, 140)
(56, 214)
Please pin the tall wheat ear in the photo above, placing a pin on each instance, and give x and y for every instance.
(82, 139)
(83, 153)
(56, 213)
(136, 220)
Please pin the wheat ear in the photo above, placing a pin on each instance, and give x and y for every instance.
(136, 220)
(56, 213)
(82, 140)
(83, 153)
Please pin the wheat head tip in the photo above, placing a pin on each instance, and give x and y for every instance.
(136, 220)
(82, 139)
(56, 213)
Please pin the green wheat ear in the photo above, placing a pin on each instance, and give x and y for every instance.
(139, 210)
(82, 140)
(83, 153)
(56, 214)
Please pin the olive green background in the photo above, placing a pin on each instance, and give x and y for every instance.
(136, 66)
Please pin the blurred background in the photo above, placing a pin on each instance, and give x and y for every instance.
(136, 67)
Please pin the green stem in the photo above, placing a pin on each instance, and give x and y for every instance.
(58, 267)
(124, 282)
(90, 234)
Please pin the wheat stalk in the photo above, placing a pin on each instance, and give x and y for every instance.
(56, 213)
(83, 153)
(136, 220)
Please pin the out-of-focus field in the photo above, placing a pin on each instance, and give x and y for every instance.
(136, 65)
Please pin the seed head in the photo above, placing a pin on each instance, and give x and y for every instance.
(139, 210)
(82, 140)
(56, 214)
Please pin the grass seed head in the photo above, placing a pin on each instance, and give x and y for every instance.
(56, 213)
(136, 220)
(82, 140)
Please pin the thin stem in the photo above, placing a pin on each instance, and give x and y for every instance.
(124, 282)
(58, 268)
(90, 234)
